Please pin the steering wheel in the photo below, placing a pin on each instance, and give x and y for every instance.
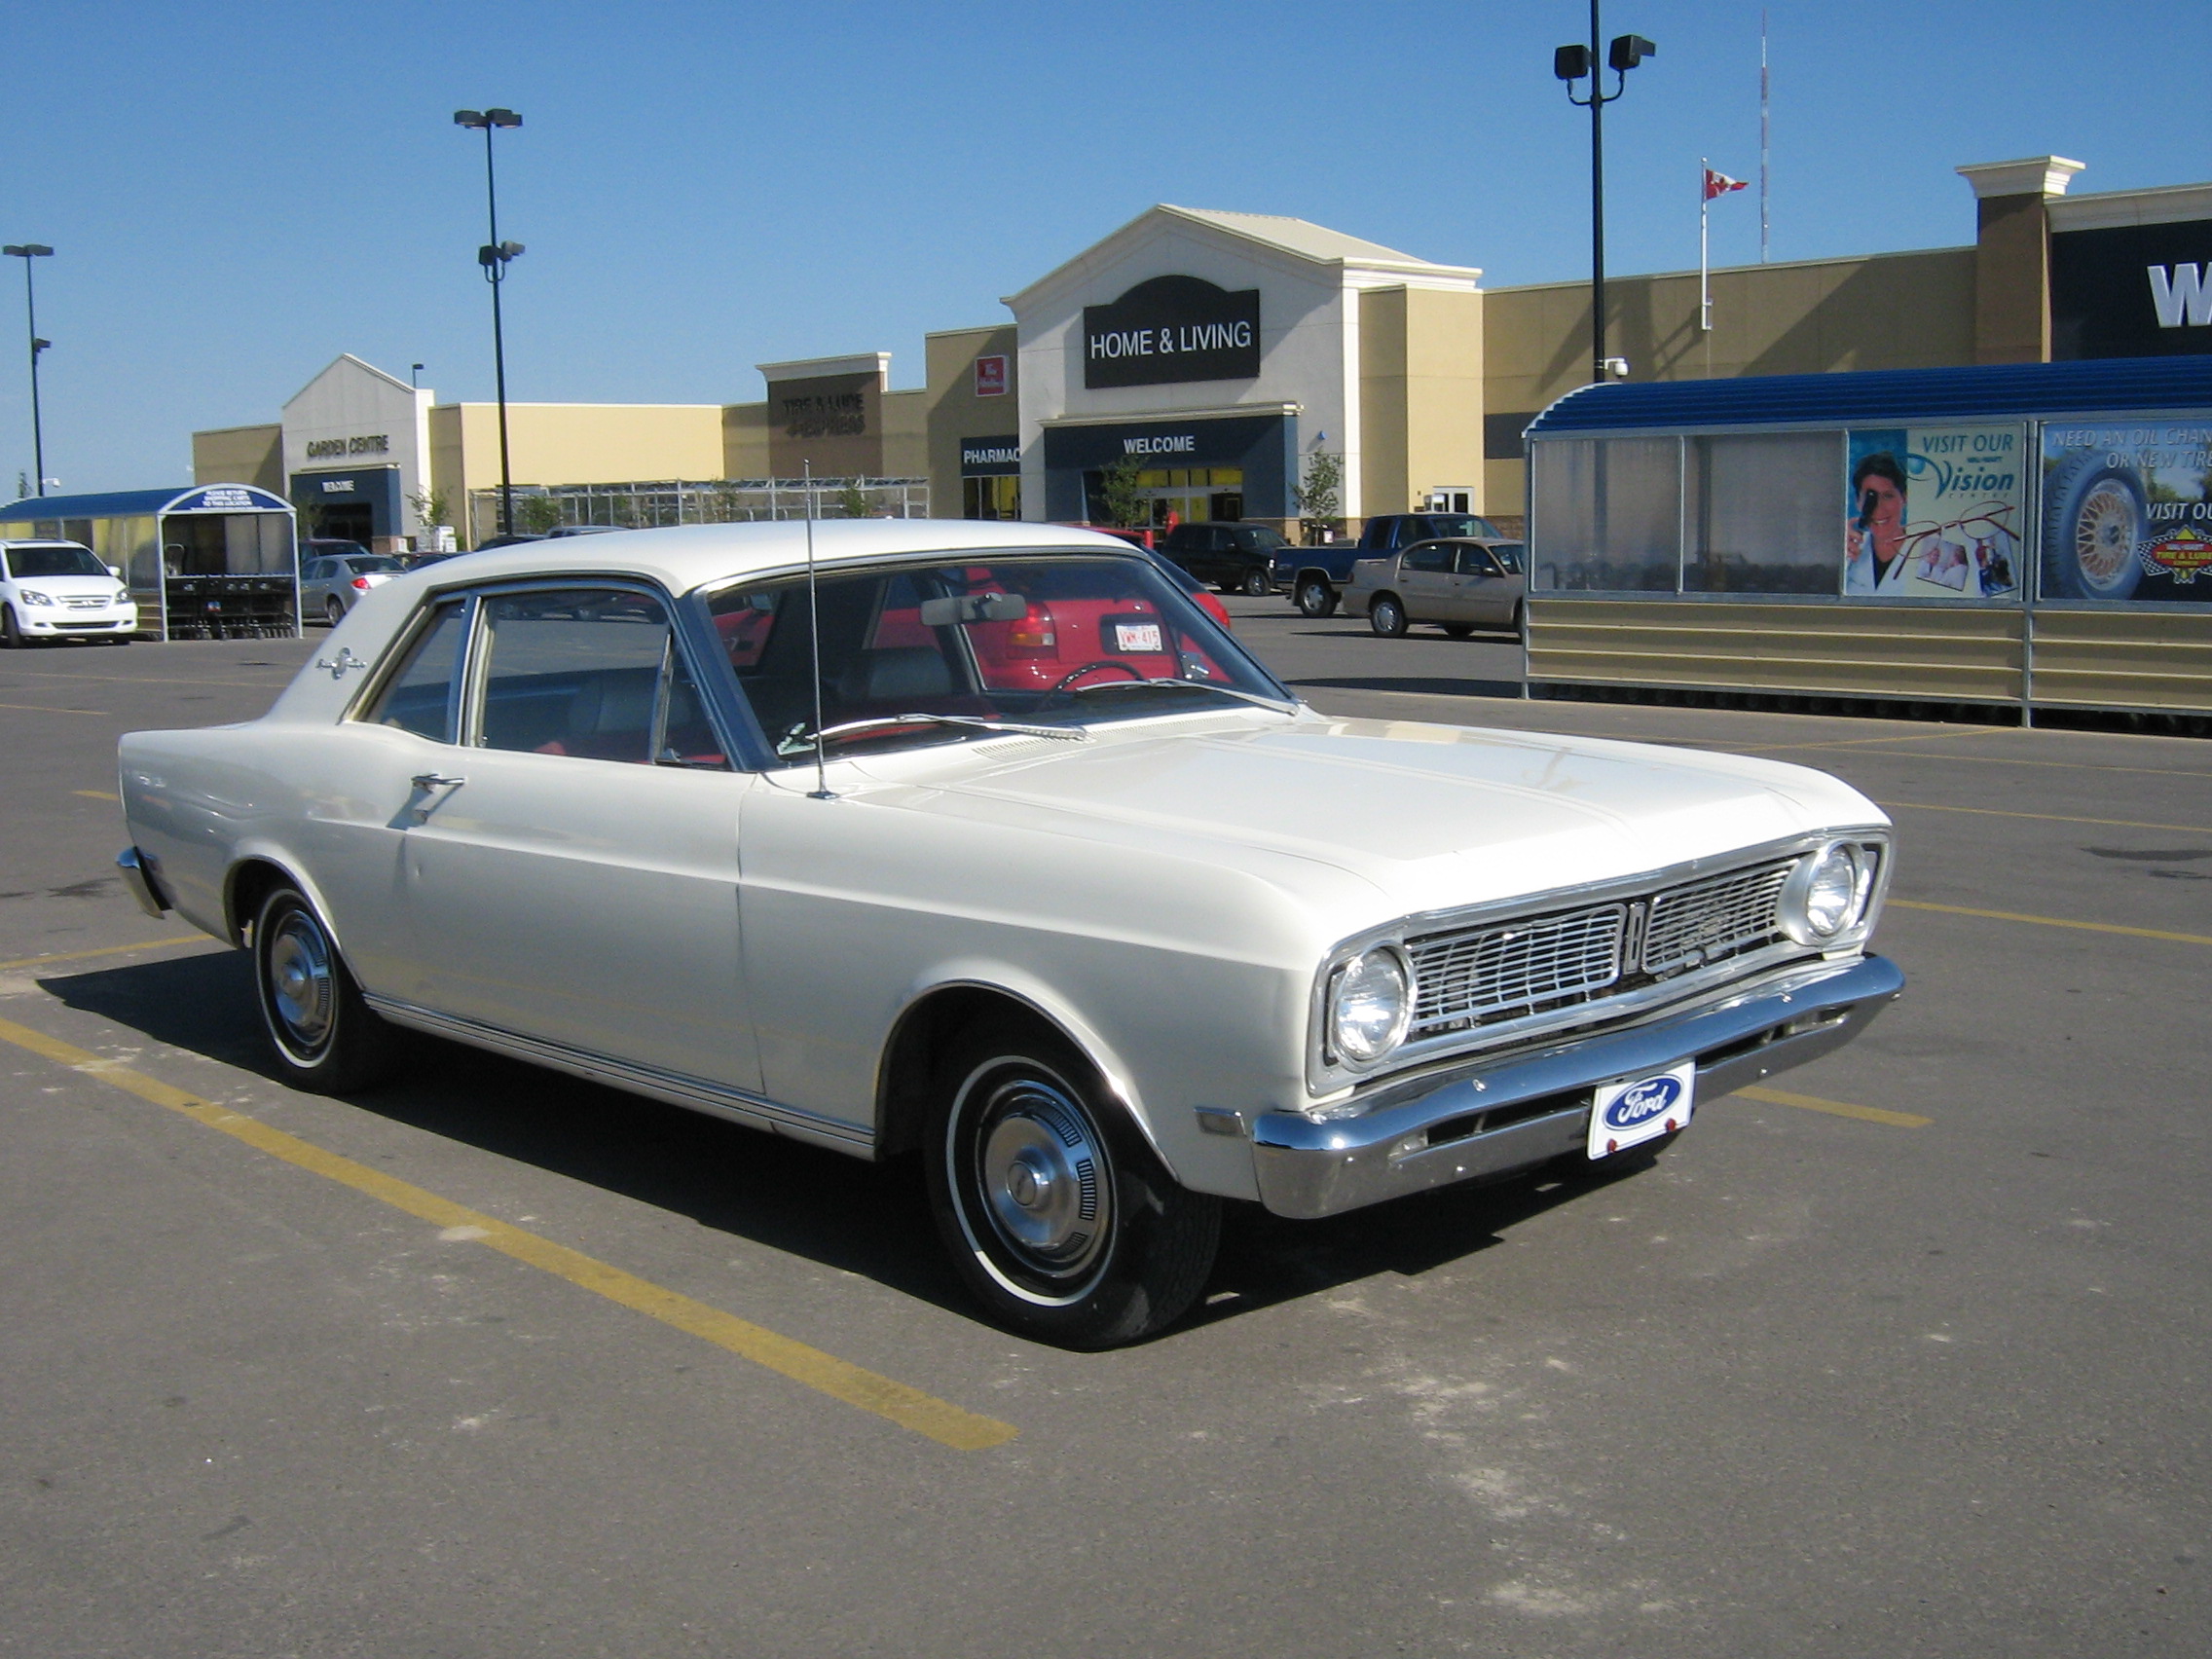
(1075, 674)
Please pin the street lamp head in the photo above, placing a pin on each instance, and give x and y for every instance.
(26, 250)
(508, 117)
(468, 118)
(488, 256)
(1571, 62)
(38, 345)
(1627, 51)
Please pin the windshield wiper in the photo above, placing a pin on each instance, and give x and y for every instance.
(1252, 697)
(799, 741)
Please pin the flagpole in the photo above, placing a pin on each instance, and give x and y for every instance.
(1703, 245)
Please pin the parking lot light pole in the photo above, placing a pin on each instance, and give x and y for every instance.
(26, 252)
(493, 257)
(1571, 63)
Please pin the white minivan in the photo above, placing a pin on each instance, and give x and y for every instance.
(51, 590)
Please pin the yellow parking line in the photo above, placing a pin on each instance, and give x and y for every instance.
(2016, 761)
(109, 950)
(46, 709)
(1840, 1108)
(2038, 816)
(910, 1408)
(96, 795)
(2051, 921)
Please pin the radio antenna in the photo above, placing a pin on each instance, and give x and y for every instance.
(821, 790)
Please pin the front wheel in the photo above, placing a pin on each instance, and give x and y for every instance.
(11, 630)
(1387, 616)
(1058, 1217)
(1315, 598)
(324, 1035)
(1257, 584)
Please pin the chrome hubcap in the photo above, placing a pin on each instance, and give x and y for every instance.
(303, 984)
(1043, 1178)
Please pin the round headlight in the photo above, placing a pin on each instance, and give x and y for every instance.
(1822, 897)
(1370, 1007)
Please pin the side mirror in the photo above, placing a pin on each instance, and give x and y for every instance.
(114, 571)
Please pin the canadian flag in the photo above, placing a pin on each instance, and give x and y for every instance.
(1720, 184)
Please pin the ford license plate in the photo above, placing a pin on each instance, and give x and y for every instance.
(1639, 1109)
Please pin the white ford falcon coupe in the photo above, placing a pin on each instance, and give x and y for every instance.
(984, 842)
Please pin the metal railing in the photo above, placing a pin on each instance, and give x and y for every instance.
(731, 501)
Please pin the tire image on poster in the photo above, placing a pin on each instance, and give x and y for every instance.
(1933, 512)
(2128, 511)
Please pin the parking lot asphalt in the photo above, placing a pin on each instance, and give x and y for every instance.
(1906, 1354)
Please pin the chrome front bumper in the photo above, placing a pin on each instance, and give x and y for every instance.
(1509, 1112)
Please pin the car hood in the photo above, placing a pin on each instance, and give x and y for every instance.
(1432, 817)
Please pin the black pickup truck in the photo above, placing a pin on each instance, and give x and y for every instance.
(1317, 575)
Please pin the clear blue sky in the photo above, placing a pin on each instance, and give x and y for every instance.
(239, 191)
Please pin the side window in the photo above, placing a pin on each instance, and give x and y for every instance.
(420, 697)
(592, 672)
(1477, 562)
(1429, 556)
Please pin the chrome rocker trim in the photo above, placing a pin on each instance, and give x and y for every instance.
(676, 1089)
(1434, 1130)
(145, 885)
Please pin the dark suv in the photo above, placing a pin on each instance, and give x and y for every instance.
(1236, 558)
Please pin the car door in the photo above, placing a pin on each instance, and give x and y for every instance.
(1426, 582)
(574, 878)
(1480, 588)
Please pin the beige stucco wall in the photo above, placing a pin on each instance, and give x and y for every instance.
(905, 434)
(745, 440)
(572, 443)
(1421, 394)
(1892, 310)
(953, 410)
(241, 455)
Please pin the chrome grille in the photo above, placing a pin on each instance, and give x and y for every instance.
(1483, 973)
(85, 601)
(1717, 917)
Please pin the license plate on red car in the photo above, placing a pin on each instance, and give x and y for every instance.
(1136, 639)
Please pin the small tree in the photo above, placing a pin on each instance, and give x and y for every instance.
(1120, 502)
(852, 500)
(538, 514)
(430, 506)
(1319, 497)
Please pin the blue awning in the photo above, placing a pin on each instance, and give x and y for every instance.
(129, 503)
(2109, 385)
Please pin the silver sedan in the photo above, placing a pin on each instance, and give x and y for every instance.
(1461, 582)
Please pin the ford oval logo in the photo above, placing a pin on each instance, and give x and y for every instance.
(1642, 1102)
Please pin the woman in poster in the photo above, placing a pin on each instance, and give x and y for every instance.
(1875, 533)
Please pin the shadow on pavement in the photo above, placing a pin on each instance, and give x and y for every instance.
(867, 1219)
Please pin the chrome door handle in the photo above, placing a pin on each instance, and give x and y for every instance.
(435, 781)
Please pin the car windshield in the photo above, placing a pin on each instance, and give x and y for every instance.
(1053, 643)
(54, 562)
(375, 563)
(1458, 523)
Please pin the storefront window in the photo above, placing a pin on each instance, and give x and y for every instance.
(996, 499)
(1758, 513)
(1607, 515)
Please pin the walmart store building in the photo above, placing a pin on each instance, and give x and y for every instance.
(1221, 351)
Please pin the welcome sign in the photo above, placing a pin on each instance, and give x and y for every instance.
(1172, 329)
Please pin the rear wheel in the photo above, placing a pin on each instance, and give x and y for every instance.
(1386, 615)
(1057, 1215)
(324, 1035)
(1256, 583)
(332, 611)
(1315, 598)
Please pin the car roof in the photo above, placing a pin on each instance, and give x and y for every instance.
(683, 557)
